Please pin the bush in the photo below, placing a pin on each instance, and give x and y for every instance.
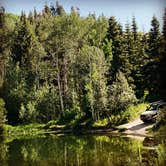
(100, 123)
(133, 112)
(28, 112)
(130, 113)
(121, 94)
(161, 118)
(2, 114)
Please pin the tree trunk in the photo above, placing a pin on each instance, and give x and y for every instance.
(60, 90)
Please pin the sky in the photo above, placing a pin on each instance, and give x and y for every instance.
(123, 10)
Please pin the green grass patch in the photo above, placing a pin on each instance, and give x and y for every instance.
(53, 125)
(133, 111)
(30, 129)
(129, 114)
(100, 123)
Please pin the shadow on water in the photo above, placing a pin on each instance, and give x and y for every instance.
(87, 150)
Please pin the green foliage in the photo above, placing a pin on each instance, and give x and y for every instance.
(66, 68)
(154, 38)
(114, 33)
(11, 20)
(16, 91)
(161, 117)
(134, 29)
(120, 94)
(28, 113)
(94, 149)
(100, 123)
(5, 33)
(162, 61)
(107, 49)
(151, 68)
(2, 115)
(94, 67)
(130, 113)
(133, 112)
(24, 130)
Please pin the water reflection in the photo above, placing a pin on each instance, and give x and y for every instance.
(106, 150)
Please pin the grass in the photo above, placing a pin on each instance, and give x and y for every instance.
(129, 114)
(30, 129)
(134, 111)
(35, 129)
(100, 123)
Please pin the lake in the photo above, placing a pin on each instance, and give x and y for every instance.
(89, 150)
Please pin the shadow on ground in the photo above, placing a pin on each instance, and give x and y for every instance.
(139, 126)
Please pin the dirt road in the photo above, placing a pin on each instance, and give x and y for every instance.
(136, 127)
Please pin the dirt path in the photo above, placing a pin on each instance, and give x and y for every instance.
(136, 127)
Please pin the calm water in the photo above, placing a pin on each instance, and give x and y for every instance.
(104, 150)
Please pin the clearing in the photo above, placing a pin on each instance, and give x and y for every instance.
(136, 127)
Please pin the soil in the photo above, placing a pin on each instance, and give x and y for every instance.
(136, 127)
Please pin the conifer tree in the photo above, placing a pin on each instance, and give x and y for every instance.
(23, 70)
(153, 58)
(30, 17)
(35, 14)
(25, 47)
(114, 34)
(2, 30)
(127, 55)
(59, 9)
(54, 66)
(140, 61)
(134, 29)
(2, 18)
(4, 46)
(137, 51)
(154, 38)
(46, 11)
(162, 61)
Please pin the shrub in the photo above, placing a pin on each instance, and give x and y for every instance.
(121, 94)
(2, 114)
(28, 112)
(161, 118)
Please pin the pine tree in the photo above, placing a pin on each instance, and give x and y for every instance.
(140, 62)
(59, 9)
(4, 46)
(134, 29)
(154, 38)
(127, 55)
(25, 48)
(162, 62)
(23, 71)
(30, 17)
(35, 14)
(138, 45)
(2, 30)
(2, 18)
(153, 58)
(46, 12)
(114, 34)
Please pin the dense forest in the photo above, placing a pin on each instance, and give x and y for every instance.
(61, 66)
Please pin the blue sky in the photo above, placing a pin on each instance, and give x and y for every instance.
(123, 10)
